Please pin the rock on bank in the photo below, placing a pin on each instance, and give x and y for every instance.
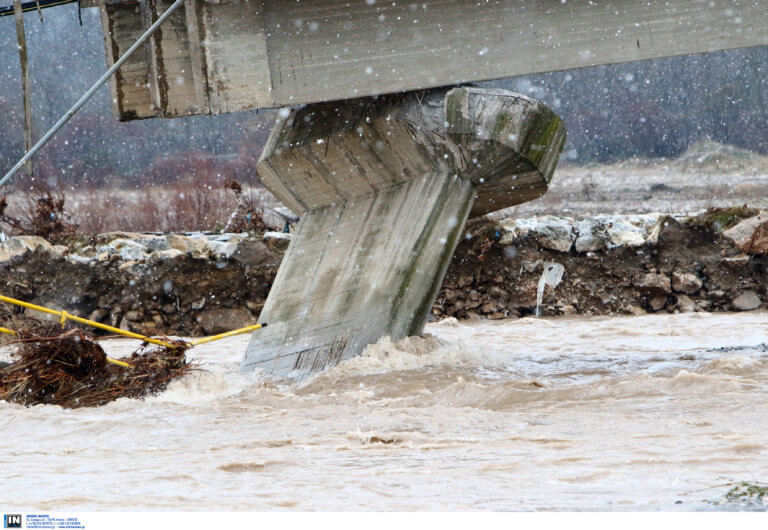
(196, 284)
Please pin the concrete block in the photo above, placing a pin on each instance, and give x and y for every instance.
(384, 187)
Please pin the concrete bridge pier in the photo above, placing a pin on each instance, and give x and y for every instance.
(384, 186)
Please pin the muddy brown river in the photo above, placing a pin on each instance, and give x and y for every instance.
(655, 412)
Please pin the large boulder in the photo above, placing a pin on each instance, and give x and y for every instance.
(746, 301)
(254, 254)
(656, 284)
(223, 246)
(554, 233)
(20, 245)
(623, 232)
(685, 282)
(277, 241)
(592, 235)
(750, 235)
(197, 247)
(124, 249)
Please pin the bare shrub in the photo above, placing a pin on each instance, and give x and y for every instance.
(38, 211)
(191, 204)
(249, 213)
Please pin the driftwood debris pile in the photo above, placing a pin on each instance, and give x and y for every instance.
(69, 368)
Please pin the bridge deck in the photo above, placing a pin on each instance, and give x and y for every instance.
(225, 57)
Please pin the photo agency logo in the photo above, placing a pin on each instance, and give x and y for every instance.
(12, 520)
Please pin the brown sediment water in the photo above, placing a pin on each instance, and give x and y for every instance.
(654, 412)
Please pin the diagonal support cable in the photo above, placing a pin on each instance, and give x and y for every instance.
(91, 91)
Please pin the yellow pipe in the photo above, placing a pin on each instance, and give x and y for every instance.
(227, 334)
(118, 363)
(109, 359)
(88, 322)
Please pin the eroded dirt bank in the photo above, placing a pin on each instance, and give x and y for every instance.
(197, 284)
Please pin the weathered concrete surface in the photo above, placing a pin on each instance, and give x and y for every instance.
(229, 56)
(384, 186)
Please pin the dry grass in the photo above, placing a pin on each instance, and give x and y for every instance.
(185, 205)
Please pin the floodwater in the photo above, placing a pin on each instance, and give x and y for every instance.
(654, 412)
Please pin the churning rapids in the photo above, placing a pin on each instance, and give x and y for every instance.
(621, 413)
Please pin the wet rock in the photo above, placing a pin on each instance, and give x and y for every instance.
(135, 315)
(687, 283)
(76, 258)
(277, 241)
(20, 245)
(592, 235)
(555, 233)
(98, 315)
(657, 283)
(532, 266)
(58, 251)
(622, 233)
(163, 255)
(217, 321)
(196, 247)
(199, 304)
(750, 235)
(465, 281)
(169, 309)
(223, 246)
(556, 236)
(152, 243)
(718, 294)
(746, 301)
(254, 254)
(632, 309)
(668, 232)
(685, 304)
(126, 249)
(128, 266)
(109, 236)
(658, 302)
(223, 250)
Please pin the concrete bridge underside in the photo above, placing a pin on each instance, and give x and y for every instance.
(225, 56)
(383, 172)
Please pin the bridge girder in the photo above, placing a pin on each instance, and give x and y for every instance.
(214, 58)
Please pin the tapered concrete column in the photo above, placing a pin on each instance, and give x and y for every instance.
(384, 187)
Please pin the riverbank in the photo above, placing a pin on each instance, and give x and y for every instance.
(193, 284)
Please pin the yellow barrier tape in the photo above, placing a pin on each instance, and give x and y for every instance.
(64, 316)
(109, 359)
(227, 334)
(88, 322)
(118, 363)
